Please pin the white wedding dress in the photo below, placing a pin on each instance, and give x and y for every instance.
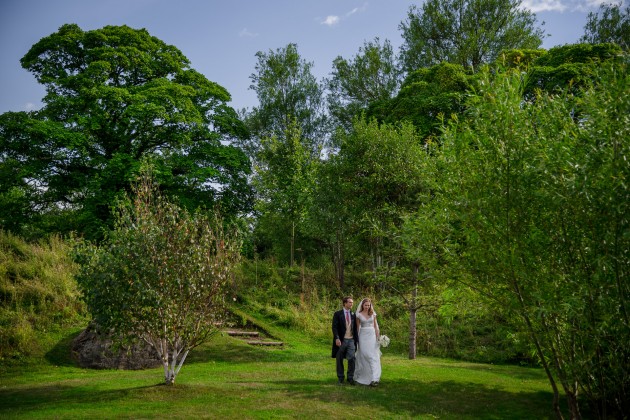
(368, 356)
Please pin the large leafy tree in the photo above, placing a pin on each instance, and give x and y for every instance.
(287, 93)
(288, 133)
(571, 66)
(465, 32)
(427, 98)
(611, 23)
(113, 96)
(365, 190)
(161, 276)
(284, 181)
(372, 75)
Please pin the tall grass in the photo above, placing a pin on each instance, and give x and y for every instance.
(305, 299)
(38, 293)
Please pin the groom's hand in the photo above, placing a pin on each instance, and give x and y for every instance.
(338, 342)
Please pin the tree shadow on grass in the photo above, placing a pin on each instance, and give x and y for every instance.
(24, 400)
(238, 352)
(444, 399)
(517, 372)
(77, 399)
(61, 354)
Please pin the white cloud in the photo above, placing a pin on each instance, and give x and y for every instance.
(588, 5)
(331, 20)
(536, 6)
(245, 33)
(594, 4)
(29, 106)
(357, 10)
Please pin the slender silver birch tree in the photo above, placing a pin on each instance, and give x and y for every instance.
(161, 276)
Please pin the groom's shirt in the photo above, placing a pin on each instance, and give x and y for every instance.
(347, 315)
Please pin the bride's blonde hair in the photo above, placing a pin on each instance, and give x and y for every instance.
(371, 310)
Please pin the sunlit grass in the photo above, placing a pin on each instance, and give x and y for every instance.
(229, 379)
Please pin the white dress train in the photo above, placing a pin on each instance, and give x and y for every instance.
(368, 356)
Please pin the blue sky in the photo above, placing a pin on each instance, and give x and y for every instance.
(221, 37)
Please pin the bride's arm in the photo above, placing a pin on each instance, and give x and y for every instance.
(376, 329)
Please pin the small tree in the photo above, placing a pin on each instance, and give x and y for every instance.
(160, 276)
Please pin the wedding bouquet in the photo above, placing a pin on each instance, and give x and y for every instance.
(383, 341)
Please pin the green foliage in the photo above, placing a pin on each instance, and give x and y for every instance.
(38, 293)
(568, 67)
(372, 75)
(288, 94)
(428, 97)
(460, 327)
(382, 169)
(541, 203)
(285, 178)
(163, 275)
(465, 32)
(519, 58)
(578, 53)
(114, 96)
(288, 134)
(611, 23)
(376, 177)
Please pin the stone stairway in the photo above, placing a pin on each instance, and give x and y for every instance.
(254, 338)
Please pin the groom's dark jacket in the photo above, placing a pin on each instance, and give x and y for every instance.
(339, 329)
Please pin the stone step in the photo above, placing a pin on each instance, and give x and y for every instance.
(233, 333)
(265, 343)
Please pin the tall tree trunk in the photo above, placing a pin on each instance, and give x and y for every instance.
(412, 332)
(413, 309)
(337, 256)
(341, 276)
(292, 242)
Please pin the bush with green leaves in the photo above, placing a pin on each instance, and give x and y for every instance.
(541, 206)
(162, 275)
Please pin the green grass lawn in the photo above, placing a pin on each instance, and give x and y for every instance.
(229, 379)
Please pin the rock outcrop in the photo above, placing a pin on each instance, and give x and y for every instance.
(94, 350)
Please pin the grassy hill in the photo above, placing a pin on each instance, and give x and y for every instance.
(39, 297)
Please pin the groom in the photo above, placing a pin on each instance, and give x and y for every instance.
(345, 341)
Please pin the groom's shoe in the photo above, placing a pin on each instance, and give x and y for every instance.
(351, 382)
(340, 382)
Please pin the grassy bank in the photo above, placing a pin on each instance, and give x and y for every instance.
(39, 297)
(230, 379)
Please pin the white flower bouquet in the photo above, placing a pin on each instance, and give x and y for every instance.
(383, 341)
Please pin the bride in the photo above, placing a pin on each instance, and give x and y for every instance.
(368, 356)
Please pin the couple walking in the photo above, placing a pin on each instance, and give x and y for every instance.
(356, 340)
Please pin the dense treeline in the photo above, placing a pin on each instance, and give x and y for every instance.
(478, 190)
